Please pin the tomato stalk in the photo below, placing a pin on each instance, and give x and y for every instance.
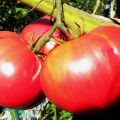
(59, 21)
(46, 38)
(58, 24)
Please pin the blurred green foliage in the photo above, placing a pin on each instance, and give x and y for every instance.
(51, 112)
(87, 5)
(14, 15)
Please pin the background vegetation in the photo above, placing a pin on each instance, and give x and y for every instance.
(14, 15)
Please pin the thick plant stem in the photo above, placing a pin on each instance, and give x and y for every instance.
(59, 10)
(59, 15)
(71, 15)
(58, 24)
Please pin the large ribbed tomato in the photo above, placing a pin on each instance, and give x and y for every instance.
(84, 74)
(19, 73)
(40, 28)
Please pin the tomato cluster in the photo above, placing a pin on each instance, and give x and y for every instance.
(79, 76)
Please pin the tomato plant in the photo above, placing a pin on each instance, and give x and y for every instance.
(87, 76)
(37, 30)
(19, 73)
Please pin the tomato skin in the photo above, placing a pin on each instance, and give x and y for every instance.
(41, 27)
(85, 78)
(6, 34)
(110, 34)
(19, 73)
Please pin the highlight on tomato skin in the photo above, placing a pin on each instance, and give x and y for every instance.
(40, 28)
(83, 75)
(20, 86)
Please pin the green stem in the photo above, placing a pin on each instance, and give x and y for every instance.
(57, 24)
(59, 15)
(97, 4)
(47, 38)
(59, 10)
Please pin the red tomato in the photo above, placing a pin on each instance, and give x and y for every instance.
(40, 28)
(83, 75)
(19, 73)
